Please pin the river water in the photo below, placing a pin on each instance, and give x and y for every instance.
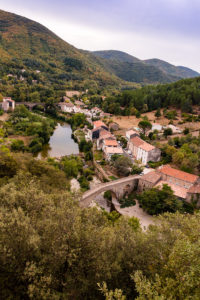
(60, 143)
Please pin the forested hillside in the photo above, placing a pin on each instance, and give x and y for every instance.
(181, 95)
(30, 54)
(132, 69)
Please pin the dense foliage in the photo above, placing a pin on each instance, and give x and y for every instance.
(23, 122)
(158, 201)
(182, 94)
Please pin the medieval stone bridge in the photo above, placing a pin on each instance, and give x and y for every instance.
(118, 187)
(30, 105)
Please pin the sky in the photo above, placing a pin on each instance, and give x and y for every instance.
(164, 29)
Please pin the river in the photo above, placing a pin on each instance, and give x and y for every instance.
(60, 143)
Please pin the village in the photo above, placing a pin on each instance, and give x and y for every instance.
(108, 146)
(104, 138)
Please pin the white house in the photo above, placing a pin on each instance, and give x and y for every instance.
(143, 151)
(67, 107)
(8, 104)
(156, 126)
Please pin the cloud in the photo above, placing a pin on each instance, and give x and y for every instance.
(166, 29)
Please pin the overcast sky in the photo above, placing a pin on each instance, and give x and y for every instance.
(165, 29)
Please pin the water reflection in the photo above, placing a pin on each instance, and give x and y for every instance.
(61, 143)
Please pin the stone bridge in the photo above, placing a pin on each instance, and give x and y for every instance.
(30, 105)
(118, 187)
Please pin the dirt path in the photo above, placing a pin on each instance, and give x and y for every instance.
(4, 117)
(135, 211)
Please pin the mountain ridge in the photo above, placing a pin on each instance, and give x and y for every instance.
(128, 67)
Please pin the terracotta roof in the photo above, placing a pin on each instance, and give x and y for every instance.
(152, 177)
(99, 123)
(146, 147)
(110, 143)
(179, 191)
(104, 133)
(195, 189)
(167, 170)
(136, 141)
(131, 132)
(113, 150)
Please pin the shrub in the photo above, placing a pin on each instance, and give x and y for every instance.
(17, 145)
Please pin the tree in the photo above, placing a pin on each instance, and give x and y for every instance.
(123, 165)
(144, 126)
(157, 201)
(158, 113)
(167, 131)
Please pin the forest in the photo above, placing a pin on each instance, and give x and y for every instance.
(52, 249)
(182, 95)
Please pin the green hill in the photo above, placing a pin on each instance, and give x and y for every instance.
(132, 69)
(25, 44)
(170, 69)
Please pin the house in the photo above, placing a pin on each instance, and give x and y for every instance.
(131, 133)
(78, 109)
(96, 111)
(143, 151)
(109, 143)
(104, 135)
(148, 181)
(66, 107)
(177, 177)
(113, 126)
(156, 126)
(184, 185)
(110, 151)
(96, 132)
(8, 104)
(100, 124)
(79, 103)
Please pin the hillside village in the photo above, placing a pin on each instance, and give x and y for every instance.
(102, 135)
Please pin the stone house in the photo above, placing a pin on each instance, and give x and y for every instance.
(184, 185)
(143, 151)
(110, 151)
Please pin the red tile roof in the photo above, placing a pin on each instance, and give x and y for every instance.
(104, 133)
(179, 191)
(99, 123)
(152, 177)
(147, 147)
(136, 141)
(167, 170)
(110, 143)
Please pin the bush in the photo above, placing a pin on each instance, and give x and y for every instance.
(17, 145)
(128, 201)
(108, 195)
(84, 183)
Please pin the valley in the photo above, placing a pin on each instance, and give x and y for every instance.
(99, 171)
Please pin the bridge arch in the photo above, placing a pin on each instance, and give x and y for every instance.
(118, 187)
